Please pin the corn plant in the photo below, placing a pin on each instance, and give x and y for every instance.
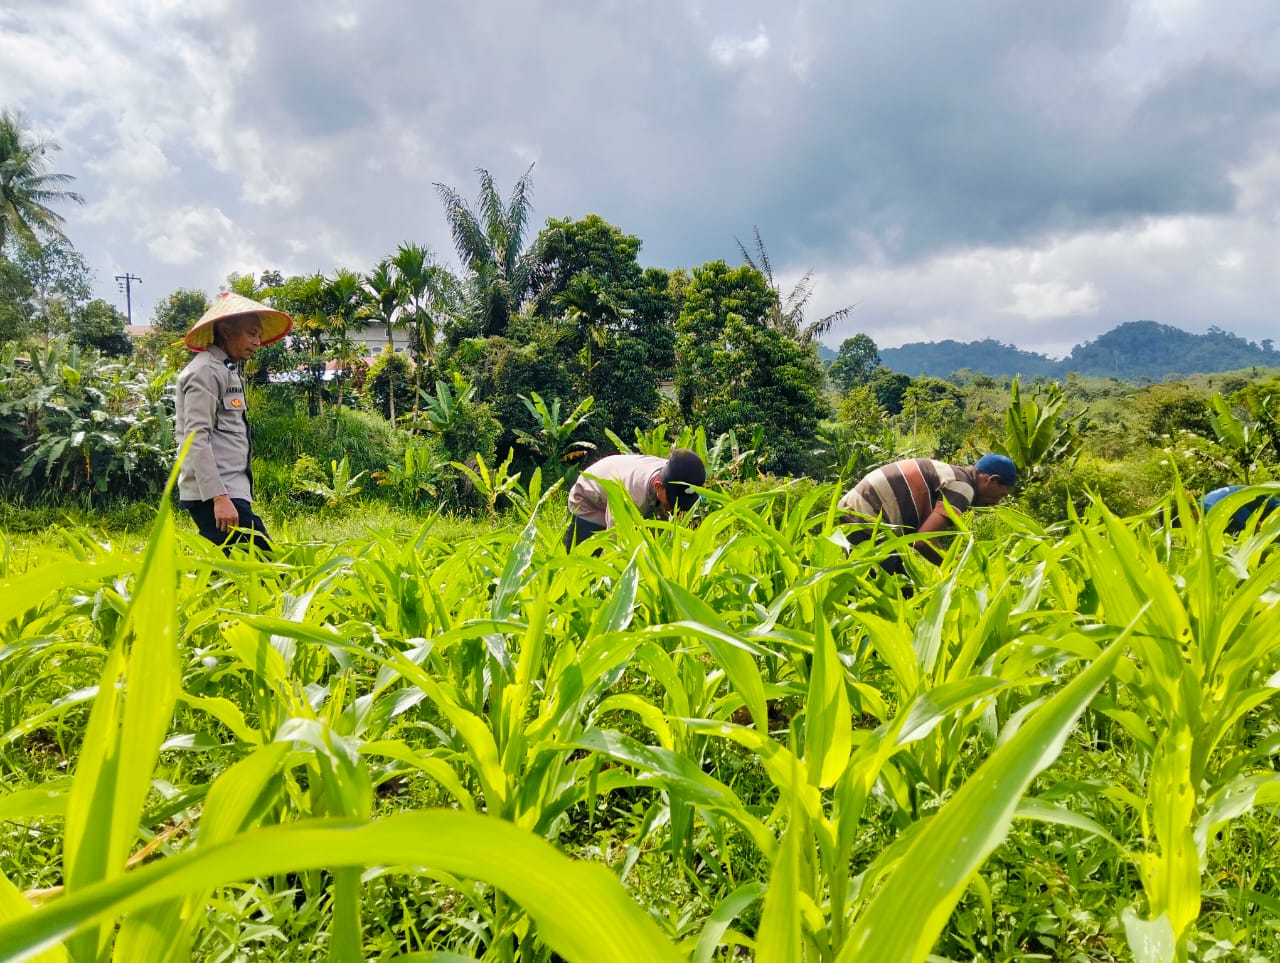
(719, 736)
(1207, 642)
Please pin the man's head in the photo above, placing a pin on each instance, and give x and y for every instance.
(239, 336)
(684, 468)
(228, 310)
(997, 476)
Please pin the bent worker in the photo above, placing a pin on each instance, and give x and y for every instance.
(914, 495)
(1261, 506)
(658, 486)
(215, 483)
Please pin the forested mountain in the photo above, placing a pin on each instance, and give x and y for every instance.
(1135, 349)
(940, 358)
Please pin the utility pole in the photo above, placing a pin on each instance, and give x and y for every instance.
(124, 282)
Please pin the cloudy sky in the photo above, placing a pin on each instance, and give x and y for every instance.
(1029, 170)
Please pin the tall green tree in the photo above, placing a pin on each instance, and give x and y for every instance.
(786, 315)
(28, 187)
(431, 296)
(735, 371)
(614, 321)
(16, 294)
(101, 325)
(60, 280)
(490, 243)
(175, 313)
(855, 362)
(341, 299)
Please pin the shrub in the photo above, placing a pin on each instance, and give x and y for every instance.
(75, 425)
(1127, 487)
(388, 386)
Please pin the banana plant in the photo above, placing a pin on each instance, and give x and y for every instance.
(552, 439)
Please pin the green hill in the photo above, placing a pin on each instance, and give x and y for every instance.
(1134, 350)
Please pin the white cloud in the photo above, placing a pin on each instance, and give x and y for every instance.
(1036, 300)
(731, 51)
(190, 233)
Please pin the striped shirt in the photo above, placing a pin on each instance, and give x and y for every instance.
(904, 493)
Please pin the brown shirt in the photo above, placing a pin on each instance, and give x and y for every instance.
(635, 473)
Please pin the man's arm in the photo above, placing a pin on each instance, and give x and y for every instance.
(938, 521)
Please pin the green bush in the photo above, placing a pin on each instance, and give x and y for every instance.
(74, 426)
(1127, 487)
(388, 386)
(282, 432)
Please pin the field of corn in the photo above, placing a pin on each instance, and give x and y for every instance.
(727, 741)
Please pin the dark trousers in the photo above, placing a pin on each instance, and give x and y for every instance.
(891, 565)
(579, 530)
(254, 529)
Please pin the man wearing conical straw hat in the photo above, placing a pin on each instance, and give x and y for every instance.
(215, 483)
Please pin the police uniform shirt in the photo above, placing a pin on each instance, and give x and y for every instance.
(211, 409)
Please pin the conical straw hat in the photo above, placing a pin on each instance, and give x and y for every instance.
(275, 324)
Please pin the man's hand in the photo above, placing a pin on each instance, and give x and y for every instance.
(938, 521)
(225, 515)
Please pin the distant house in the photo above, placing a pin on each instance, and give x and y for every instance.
(373, 337)
(136, 331)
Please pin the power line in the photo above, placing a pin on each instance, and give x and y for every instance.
(124, 282)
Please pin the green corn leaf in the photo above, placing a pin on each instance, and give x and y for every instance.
(126, 728)
(1232, 801)
(56, 709)
(1038, 810)
(1151, 941)
(907, 915)
(581, 910)
(654, 764)
(161, 933)
(722, 917)
(14, 908)
(781, 935)
(1171, 871)
(21, 593)
(828, 731)
(42, 802)
(729, 649)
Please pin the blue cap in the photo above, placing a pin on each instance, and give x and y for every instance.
(1001, 466)
(1240, 517)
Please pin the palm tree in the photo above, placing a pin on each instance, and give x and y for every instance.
(421, 283)
(343, 297)
(787, 314)
(489, 244)
(26, 187)
(382, 294)
(596, 313)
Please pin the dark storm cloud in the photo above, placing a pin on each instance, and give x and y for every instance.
(978, 123)
(944, 165)
(996, 122)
